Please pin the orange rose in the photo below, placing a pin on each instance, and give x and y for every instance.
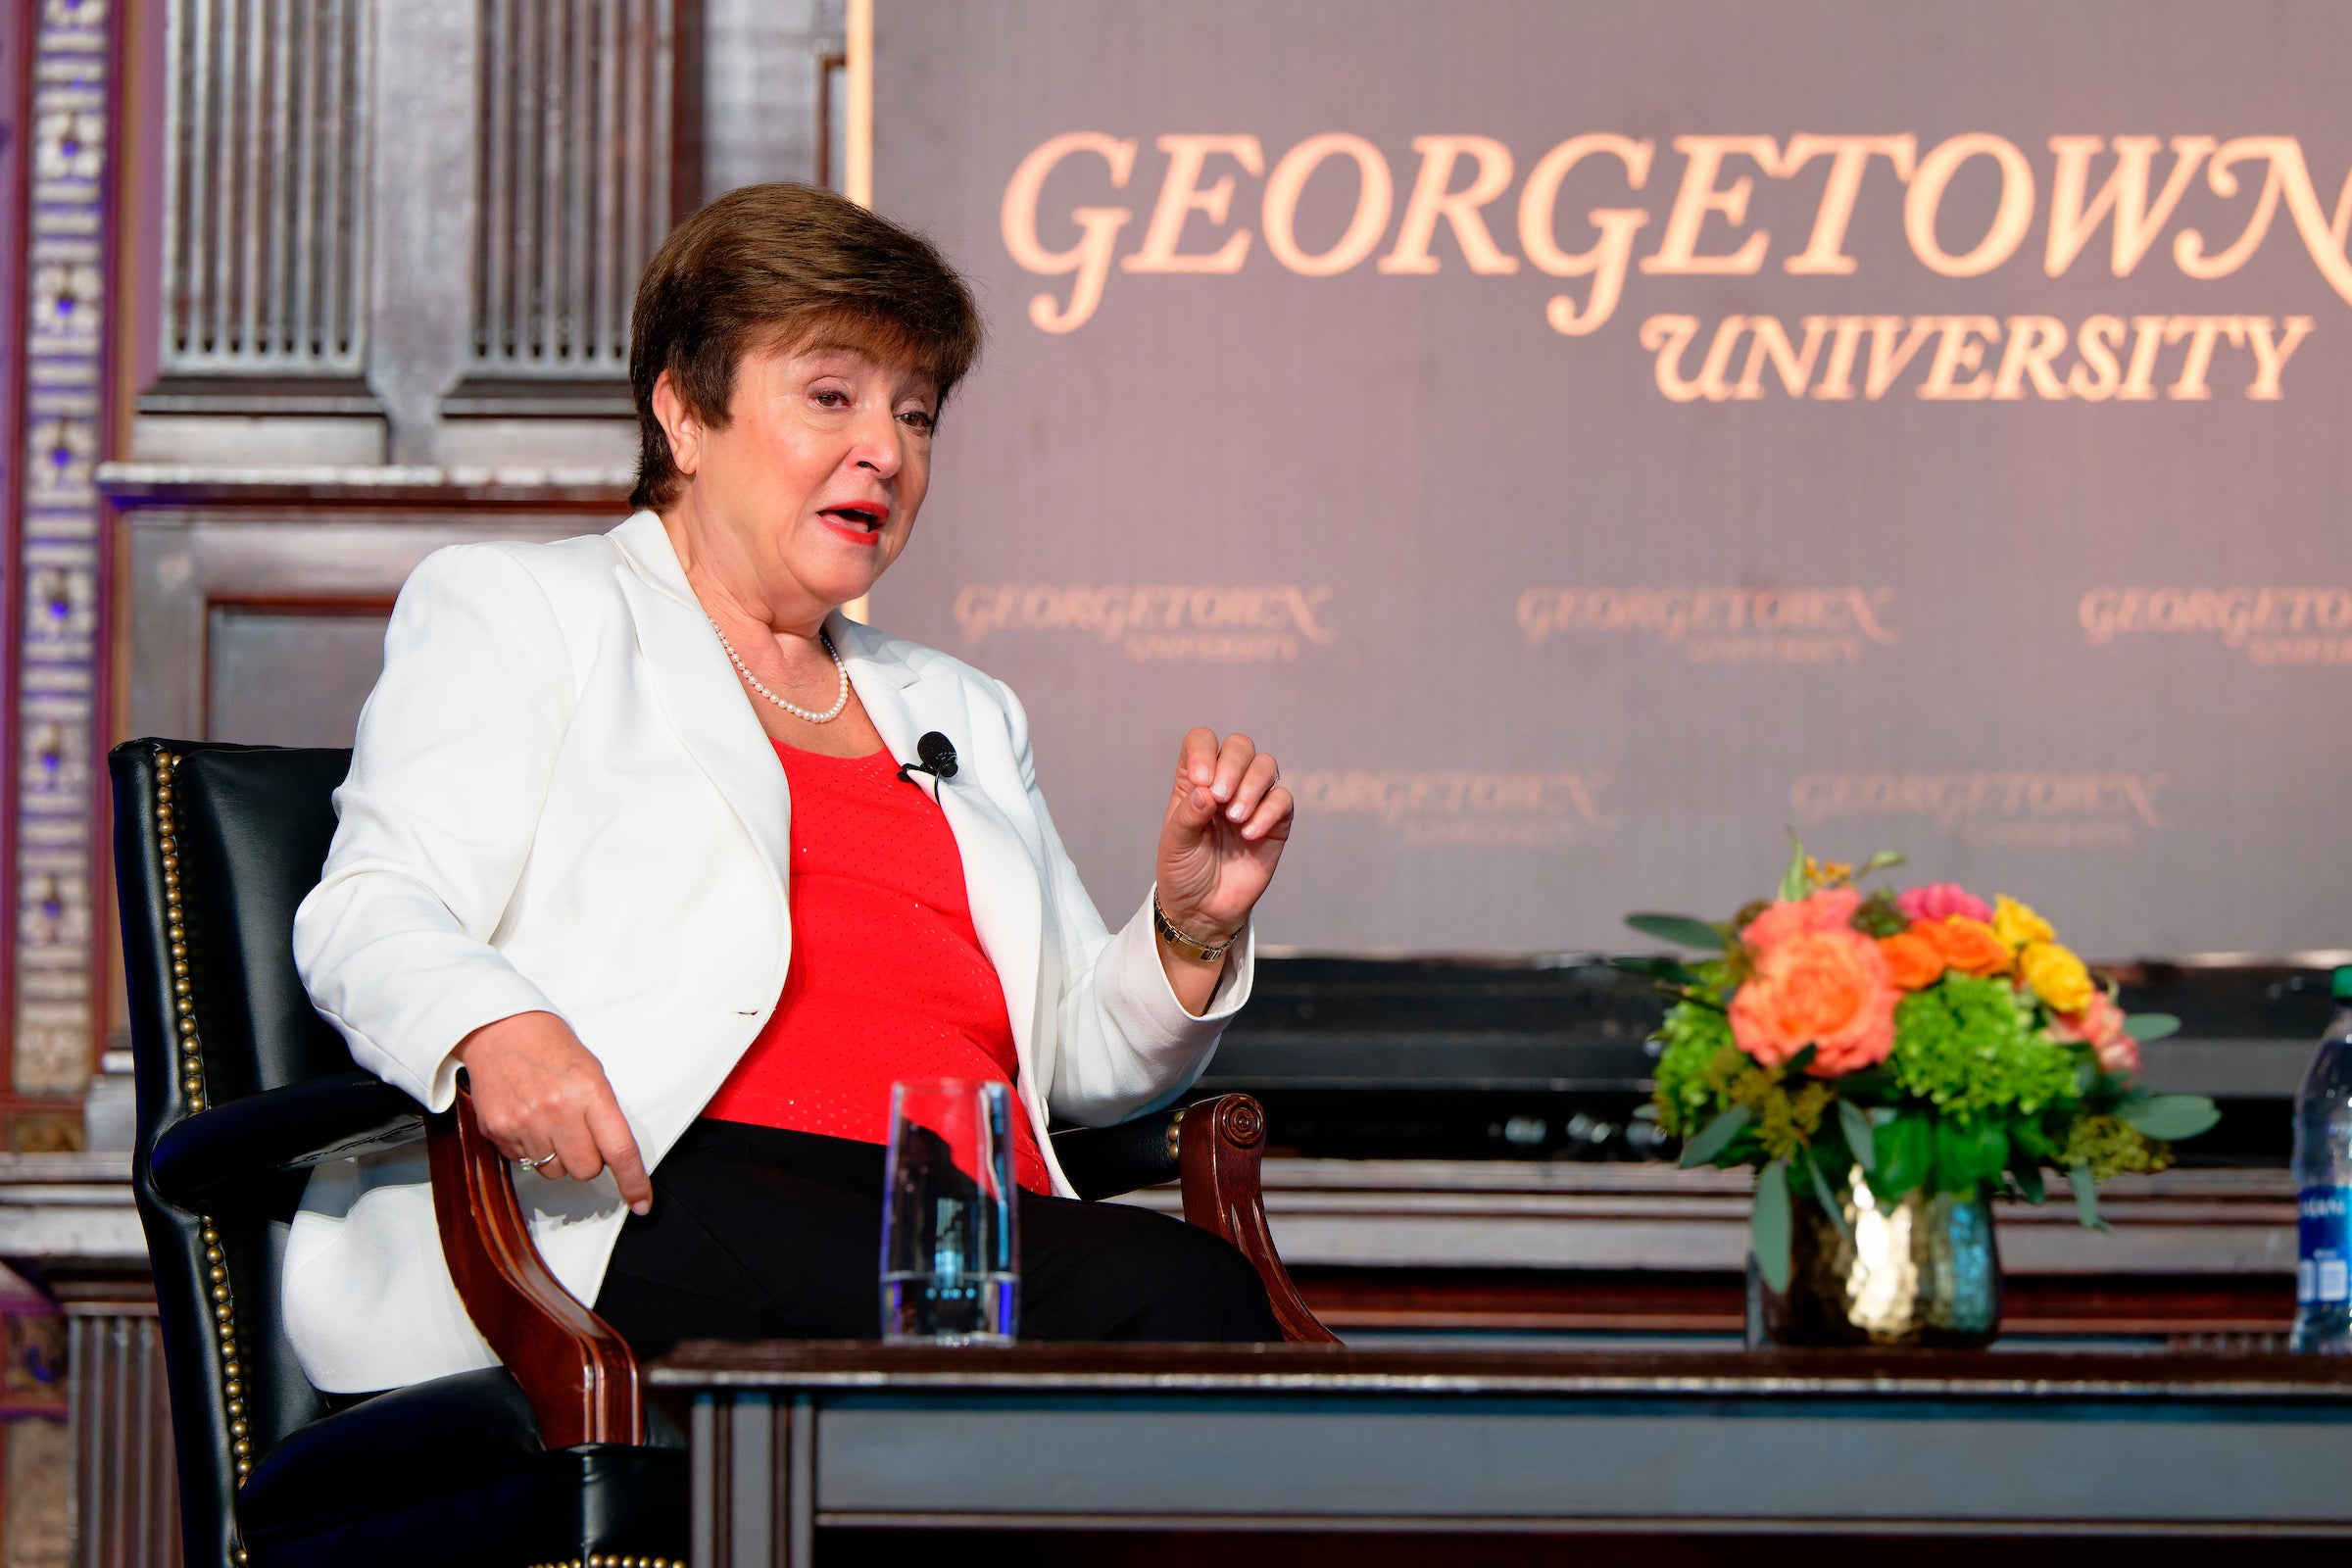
(1969, 946)
(1830, 909)
(1825, 989)
(1914, 961)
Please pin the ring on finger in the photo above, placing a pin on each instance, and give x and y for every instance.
(547, 1159)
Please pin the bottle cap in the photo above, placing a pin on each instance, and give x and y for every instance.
(2343, 984)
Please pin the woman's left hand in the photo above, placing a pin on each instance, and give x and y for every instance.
(1227, 819)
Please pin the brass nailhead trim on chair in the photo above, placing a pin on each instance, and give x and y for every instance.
(608, 1560)
(183, 976)
(191, 1082)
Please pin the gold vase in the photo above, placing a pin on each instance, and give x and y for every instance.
(1923, 1270)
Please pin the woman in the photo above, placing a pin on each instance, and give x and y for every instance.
(625, 838)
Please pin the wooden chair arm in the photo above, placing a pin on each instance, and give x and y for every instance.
(575, 1368)
(1221, 1143)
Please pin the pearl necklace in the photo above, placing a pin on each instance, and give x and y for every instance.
(794, 709)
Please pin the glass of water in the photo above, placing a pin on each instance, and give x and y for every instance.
(951, 1272)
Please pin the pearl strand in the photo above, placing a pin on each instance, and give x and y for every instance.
(794, 709)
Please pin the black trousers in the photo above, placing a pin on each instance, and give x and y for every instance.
(759, 1233)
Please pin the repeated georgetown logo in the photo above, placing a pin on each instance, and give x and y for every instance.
(2270, 625)
(1451, 806)
(2067, 810)
(1731, 625)
(1159, 623)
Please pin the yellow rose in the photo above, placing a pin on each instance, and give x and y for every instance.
(2019, 925)
(2056, 975)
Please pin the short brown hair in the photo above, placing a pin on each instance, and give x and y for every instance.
(784, 265)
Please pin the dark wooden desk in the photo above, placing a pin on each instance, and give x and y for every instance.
(791, 1438)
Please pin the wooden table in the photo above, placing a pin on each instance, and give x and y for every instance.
(790, 1439)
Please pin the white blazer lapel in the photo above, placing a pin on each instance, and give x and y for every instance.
(999, 875)
(699, 691)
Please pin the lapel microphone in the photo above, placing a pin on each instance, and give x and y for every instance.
(935, 755)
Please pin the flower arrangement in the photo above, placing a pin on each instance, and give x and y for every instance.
(1917, 1038)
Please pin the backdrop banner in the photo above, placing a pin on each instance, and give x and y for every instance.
(1584, 440)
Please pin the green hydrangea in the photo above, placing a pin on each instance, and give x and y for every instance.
(1968, 1046)
(1702, 1072)
(1692, 1036)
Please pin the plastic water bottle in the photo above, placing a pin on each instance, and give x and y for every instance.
(2323, 1189)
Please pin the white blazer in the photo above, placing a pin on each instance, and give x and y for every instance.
(562, 801)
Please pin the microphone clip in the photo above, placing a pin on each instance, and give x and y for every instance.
(935, 755)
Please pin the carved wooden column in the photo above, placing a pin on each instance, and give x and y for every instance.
(126, 1491)
(267, 142)
(89, 1471)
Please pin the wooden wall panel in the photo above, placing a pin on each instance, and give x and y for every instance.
(267, 626)
(290, 675)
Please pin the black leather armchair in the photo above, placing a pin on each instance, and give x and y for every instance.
(242, 1087)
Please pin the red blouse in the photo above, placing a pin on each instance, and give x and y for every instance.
(888, 980)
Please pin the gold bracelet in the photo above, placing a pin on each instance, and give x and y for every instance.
(1192, 948)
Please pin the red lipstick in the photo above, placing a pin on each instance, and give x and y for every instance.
(859, 522)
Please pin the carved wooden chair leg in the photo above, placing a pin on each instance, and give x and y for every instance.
(1221, 1143)
(575, 1368)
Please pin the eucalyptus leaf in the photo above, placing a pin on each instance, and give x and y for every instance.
(2151, 1025)
(2029, 1181)
(2086, 1199)
(2170, 1116)
(1657, 968)
(1828, 1200)
(1792, 880)
(1856, 1126)
(1715, 1136)
(1769, 1226)
(1884, 861)
(1680, 929)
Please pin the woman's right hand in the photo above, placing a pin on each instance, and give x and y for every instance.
(538, 1091)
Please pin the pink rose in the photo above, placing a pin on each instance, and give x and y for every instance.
(2100, 1026)
(1940, 901)
(1830, 909)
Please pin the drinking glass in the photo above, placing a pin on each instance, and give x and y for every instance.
(951, 1273)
